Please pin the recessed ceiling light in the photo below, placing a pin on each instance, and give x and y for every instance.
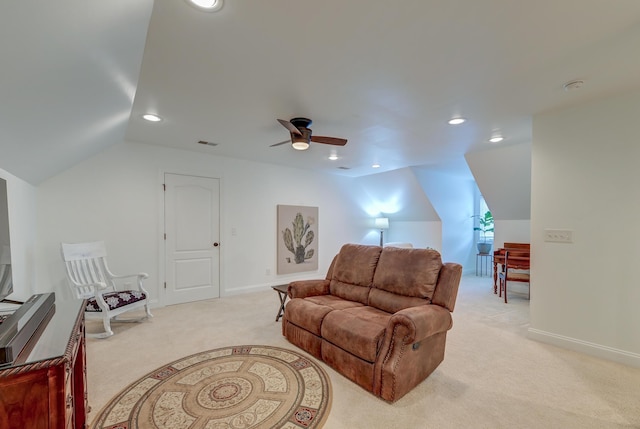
(496, 139)
(375, 165)
(456, 121)
(207, 5)
(151, 117)
(333, 157)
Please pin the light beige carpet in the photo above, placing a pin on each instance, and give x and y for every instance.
(239, 387)
(492, 376)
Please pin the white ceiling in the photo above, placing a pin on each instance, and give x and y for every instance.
(385, 75)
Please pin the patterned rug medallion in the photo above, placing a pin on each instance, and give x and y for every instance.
(237, 387)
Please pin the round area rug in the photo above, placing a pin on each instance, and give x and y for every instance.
(237, 387)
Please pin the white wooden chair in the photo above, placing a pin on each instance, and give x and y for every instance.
(91, 279)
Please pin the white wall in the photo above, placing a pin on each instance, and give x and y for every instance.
(117, 196)
(511, 231)
(399, 196)
(419, 234)
(453, 197)
(21, 198)
(585, 177)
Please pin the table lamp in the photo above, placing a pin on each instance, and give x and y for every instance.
(382, 223)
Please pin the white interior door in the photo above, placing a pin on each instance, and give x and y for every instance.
(192, 215)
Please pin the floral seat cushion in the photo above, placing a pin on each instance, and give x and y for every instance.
(116, 300)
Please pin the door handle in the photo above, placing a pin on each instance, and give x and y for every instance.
(216, 244)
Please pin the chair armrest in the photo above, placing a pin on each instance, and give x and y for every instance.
(419, 323)
(305, 288)
(125, 276)
(139, 278)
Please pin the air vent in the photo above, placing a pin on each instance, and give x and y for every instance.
(208, 143)
(344, 168)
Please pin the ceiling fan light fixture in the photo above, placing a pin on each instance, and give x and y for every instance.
(299, 143)
(207, 5)
(301, 134)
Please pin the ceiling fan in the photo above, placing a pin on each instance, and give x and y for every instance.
(301, 135)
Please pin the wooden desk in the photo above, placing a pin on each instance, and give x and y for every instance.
(516, 262)
(46, 389)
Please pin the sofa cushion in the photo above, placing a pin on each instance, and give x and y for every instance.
(353, 272)
(333, 302)
(407, 272)
(391, 302)
(306, 314)
(309, 313)
(358, 330)
(115, 300)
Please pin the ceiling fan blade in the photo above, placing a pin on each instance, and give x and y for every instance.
(281, 143)
(329, 140)
(292, 128)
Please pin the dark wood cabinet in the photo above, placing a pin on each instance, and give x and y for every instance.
(46, 388)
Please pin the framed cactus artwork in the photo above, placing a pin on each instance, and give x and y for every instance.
(297, 239)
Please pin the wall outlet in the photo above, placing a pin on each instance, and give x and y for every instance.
(267, 272)
(558, 235)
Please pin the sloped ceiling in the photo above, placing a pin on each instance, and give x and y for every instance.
(69, 76)
(396, 195)
(77, 75)
(503, 175)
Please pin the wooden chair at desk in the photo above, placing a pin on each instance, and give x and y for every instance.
(514, 259)
(498, 259)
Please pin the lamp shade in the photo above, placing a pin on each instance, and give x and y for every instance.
(382, 223)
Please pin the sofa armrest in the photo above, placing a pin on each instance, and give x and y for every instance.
(447, 287)
(305, 288)
(413, 347)
(418, 323)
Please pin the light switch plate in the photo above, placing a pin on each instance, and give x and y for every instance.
(558, 235)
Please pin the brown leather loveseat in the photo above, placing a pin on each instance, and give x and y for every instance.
(380, 317)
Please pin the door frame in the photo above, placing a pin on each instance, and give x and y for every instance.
(162, 272)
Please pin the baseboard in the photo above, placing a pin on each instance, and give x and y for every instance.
(249, 289)
(592, 349)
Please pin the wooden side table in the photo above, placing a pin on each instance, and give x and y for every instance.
(282, 294)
